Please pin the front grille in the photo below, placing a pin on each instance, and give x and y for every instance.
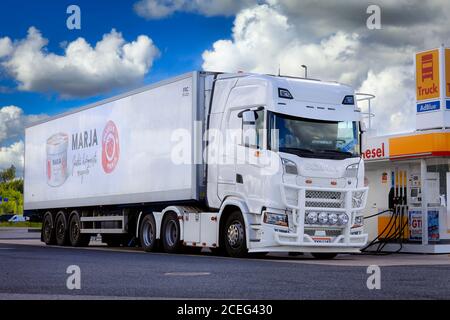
(324, 199)
(328, 232)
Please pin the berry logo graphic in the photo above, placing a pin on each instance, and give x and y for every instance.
(57, 146)
(110, 147)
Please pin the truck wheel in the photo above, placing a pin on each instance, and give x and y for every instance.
(234, 236)
(77, 239)
(61, 229)
(324, 255)
(171, 233)
(147, 233)
(48, 231)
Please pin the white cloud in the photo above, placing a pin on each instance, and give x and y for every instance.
(394, 105)
(12, 124)
(158, 9)
(263, 39)
(331, 38)
(12, 155)
(13, 121)
(5, 47)
(83, 70)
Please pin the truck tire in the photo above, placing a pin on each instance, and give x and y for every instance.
(324, 255)
(170, 233)
(61, 230)
(147, 233)
(76, 238)
(234, 236)
(48, 229)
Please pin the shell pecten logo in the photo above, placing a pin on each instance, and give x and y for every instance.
(110, 147)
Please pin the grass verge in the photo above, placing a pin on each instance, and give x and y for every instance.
(25, 224)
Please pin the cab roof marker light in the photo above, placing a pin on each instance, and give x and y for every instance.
(349, 100)
(284, 94)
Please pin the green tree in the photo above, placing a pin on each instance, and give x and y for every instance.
(11, 189)
(8, 174)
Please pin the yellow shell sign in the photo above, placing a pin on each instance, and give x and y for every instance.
(447, 72)
(427, 75)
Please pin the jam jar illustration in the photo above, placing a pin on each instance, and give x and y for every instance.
(57, 146)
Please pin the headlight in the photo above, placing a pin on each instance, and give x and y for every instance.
(289, 166)
(332, 218)
(311, 218)
(357, 199)
(343, 219)
(276, 218)
(323, 218)
(359, 220)
(352, 171)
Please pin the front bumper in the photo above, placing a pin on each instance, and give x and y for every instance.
(300, 234)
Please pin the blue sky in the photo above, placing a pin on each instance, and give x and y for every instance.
(181, 39)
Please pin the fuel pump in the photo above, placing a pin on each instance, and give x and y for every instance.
(433, 206)
(398, 204)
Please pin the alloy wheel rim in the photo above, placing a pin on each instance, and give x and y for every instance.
(75, 230)
(235, 234)
(47, 229)
(148, 234)
(60, 229)
(171, 233)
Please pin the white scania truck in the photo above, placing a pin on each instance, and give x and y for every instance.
(157, 167)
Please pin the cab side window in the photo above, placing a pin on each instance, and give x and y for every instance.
(259, 129)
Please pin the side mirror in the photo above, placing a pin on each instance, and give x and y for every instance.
(362, 127)
(249, 134)
(248, 117)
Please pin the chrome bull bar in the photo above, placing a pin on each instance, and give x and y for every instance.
(352, 201)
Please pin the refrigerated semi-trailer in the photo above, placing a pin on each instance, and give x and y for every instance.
(239, 163)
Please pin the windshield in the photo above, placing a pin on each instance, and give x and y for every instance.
(314, 138)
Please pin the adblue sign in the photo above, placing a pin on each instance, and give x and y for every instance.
(433, 88)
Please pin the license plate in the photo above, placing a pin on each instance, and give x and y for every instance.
(321, 239)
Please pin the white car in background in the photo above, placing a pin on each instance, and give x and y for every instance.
(18, 218)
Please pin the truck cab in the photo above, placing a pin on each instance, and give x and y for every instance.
(285, 153)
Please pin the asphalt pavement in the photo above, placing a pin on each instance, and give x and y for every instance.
(30, 270)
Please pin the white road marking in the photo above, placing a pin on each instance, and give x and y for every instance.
(187, 274)
(46, 296)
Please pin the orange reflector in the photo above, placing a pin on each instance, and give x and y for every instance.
(333, 183)
(308, 181)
